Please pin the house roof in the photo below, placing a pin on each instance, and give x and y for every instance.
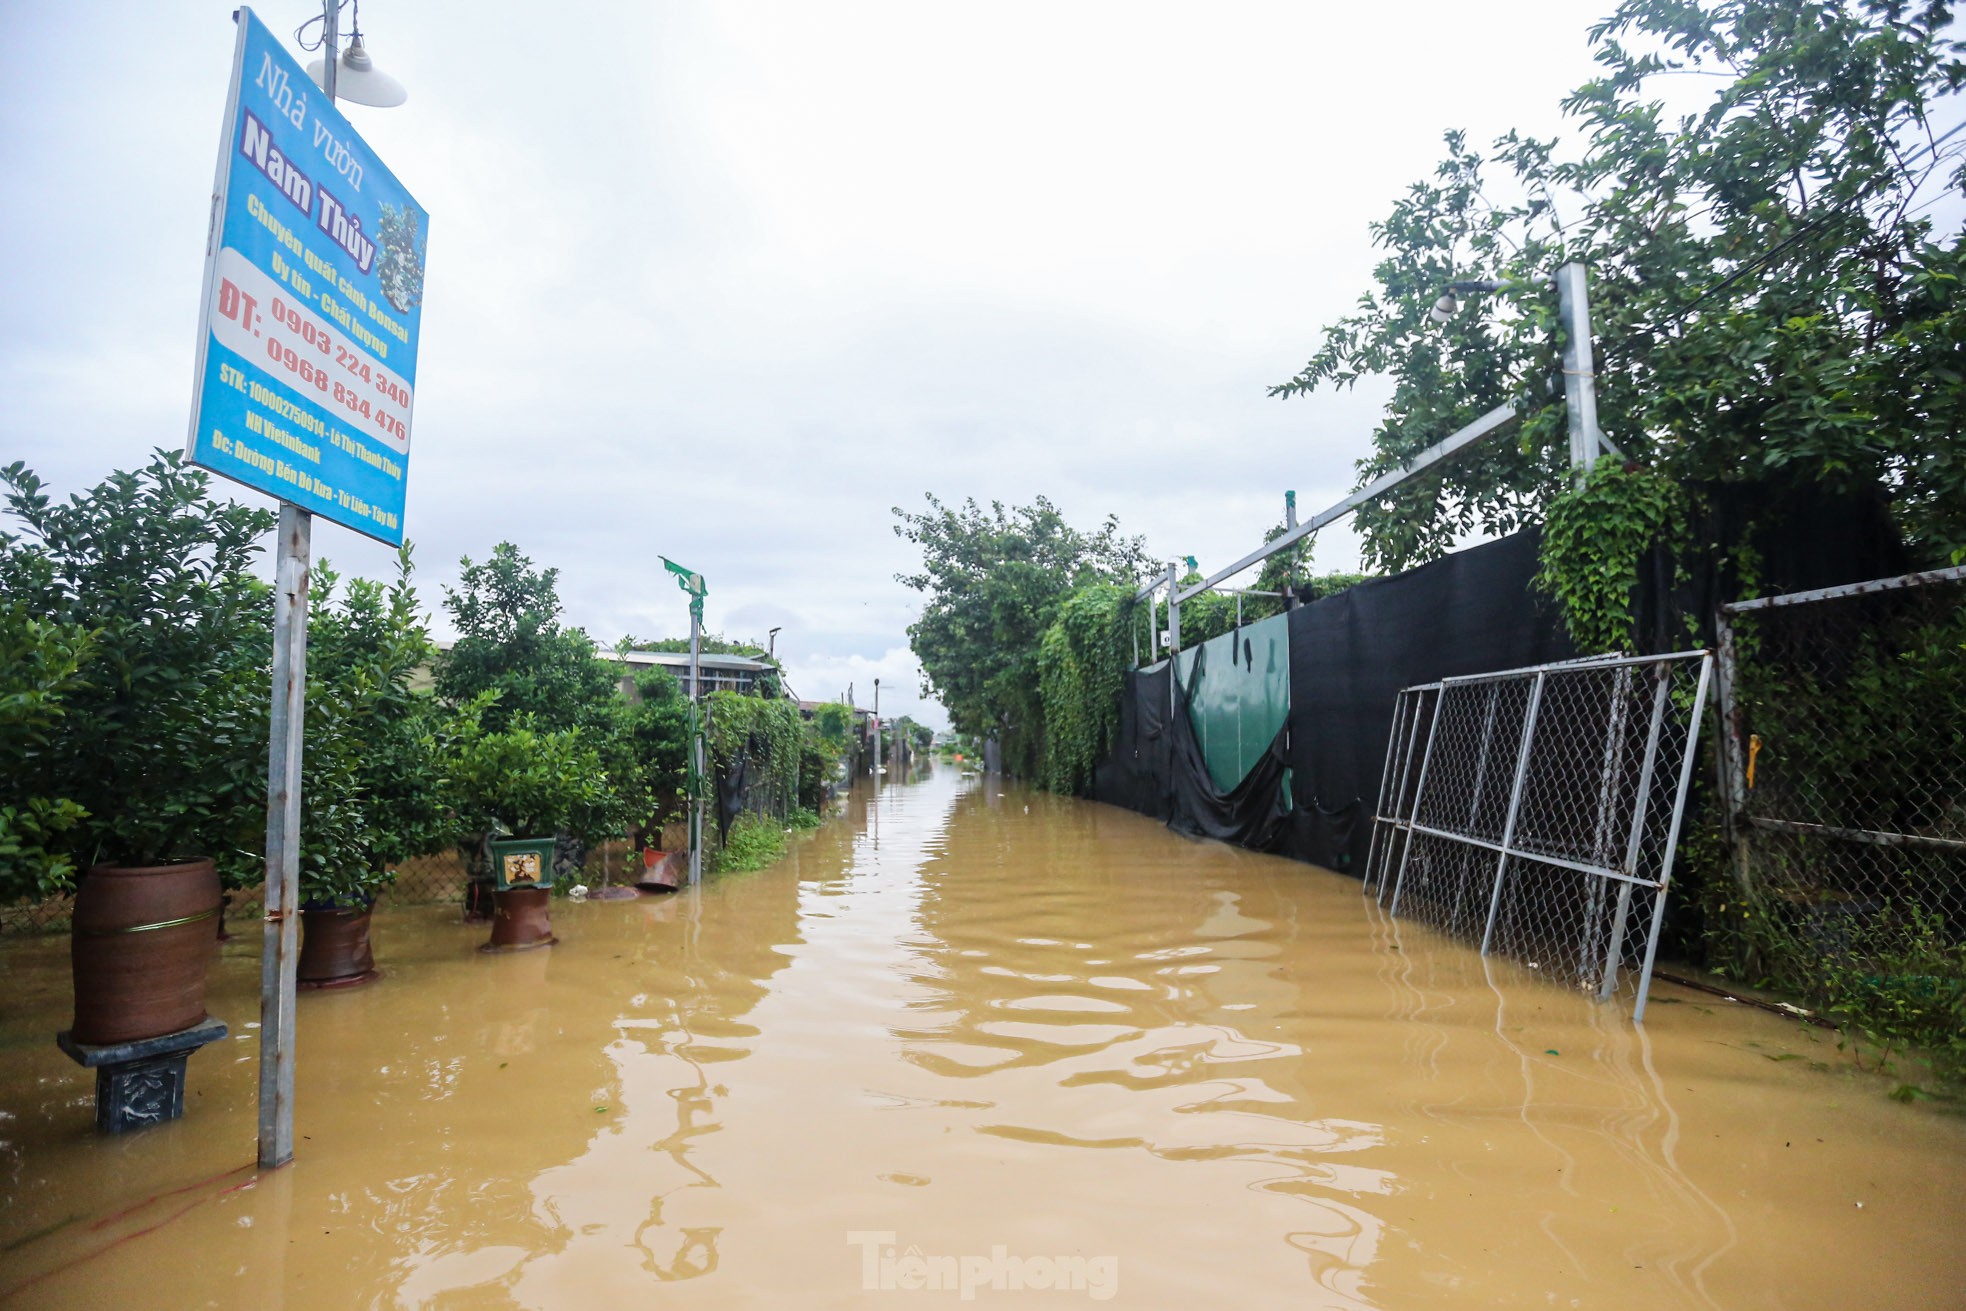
(676, 660)
(680, 660)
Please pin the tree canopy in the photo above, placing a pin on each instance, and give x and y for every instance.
(993, 580)
(510, 641)
(1767, 194)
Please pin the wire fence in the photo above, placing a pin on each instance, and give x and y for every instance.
(1844, 773)
(1544, 812)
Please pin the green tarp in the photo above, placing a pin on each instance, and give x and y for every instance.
(1242, 696)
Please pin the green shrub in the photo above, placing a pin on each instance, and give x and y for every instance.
(163, 741)
(754, 843)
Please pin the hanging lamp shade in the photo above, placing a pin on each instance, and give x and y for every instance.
(358, 79)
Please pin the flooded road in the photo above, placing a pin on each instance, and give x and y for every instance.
(979, 1034)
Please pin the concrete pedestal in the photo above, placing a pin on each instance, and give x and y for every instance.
(140, 1083)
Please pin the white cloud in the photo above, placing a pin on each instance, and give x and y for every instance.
(726, 282)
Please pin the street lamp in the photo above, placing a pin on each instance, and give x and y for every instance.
(1587, 440)
(352, 76)
(771, 642)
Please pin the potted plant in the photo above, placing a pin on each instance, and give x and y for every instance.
(521, 788)
(372, 785)
(157, 756)
(511, 642)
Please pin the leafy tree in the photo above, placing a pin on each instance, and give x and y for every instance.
(510, 641)
(1775, 298)
(827, 740)
(163, 741)
(372, 777)
(994, 580)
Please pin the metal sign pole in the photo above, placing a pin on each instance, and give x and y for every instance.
(279, 958)
(696, 588)
(279, 961)
(696, 742)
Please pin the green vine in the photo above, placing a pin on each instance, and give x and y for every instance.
(1082, 664)
(764, 733)
(1593, 540)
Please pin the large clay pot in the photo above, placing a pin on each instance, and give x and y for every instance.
(520, 920)
(141, 942)
(334, 946)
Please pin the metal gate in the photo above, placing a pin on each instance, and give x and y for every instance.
(1543, 812)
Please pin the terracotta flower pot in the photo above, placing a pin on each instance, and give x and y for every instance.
(141, 943)
(520, 920)
(334, 946)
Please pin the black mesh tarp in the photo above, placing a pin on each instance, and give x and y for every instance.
(1135, 773)
(1476, 611)
(1468, 613)
(1350, 655)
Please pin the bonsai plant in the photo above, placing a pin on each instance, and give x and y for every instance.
(511, 642)
(159, 749)
(372, 789)
(521, 788)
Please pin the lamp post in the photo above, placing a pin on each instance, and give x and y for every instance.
(878, 769)
(1572, 281)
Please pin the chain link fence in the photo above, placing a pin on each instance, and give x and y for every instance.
(1545, 812)
(1844, 776)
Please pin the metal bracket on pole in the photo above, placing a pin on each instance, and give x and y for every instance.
(280, 931)
(1487, 423)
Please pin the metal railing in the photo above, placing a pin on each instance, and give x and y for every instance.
(1543, 814)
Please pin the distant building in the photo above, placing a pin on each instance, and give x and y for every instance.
(721, 673)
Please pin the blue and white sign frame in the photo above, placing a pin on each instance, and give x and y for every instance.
(313, 302)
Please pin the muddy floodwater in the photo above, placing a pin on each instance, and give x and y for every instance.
(975, 1041)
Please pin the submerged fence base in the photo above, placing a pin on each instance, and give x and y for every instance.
(1537, 811)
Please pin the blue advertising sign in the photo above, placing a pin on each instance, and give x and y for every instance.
(313, 303)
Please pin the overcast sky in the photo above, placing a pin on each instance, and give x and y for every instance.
(728, 281)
